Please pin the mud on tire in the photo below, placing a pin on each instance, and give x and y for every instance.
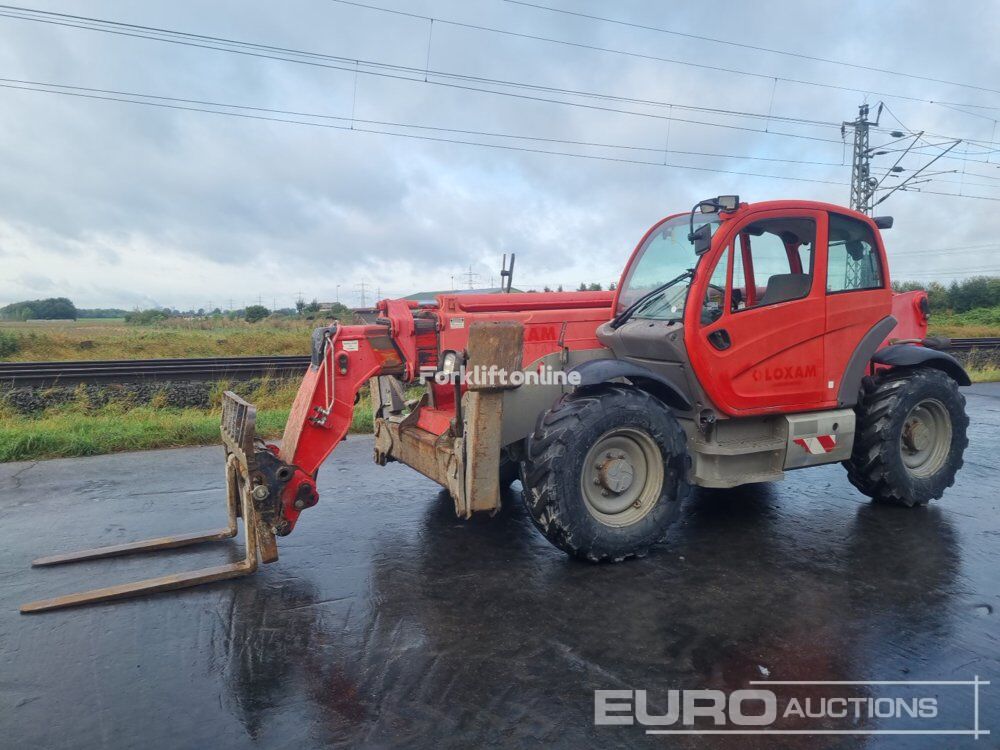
(554, 468)
(882, 444)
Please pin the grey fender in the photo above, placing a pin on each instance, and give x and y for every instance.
(910, 355)
(857, 365)
(598, 371)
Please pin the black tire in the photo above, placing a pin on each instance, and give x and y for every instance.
(552, 473)
(878, 464)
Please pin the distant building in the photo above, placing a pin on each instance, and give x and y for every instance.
(427, 298)
(369, 314)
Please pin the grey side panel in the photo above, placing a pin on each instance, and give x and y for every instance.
(760, 449)
(521, 406)
(836, 426)
(850, 383)
(911, 355)
(600, 371)
(658, 346)
(737, 451)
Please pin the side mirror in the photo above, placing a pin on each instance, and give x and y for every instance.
(883, 222)
(728, 202)
(722, 203)
(701, 238)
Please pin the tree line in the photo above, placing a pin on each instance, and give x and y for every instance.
(959, 296)
(53, 308)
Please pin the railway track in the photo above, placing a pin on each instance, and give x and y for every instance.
(966, 345)
(218, 368)
(140, 370)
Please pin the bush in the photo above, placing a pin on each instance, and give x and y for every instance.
(145, 317)
(253, 313)
(981, 316)
(9, 344)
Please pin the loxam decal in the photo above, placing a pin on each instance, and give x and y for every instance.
(817, 445)
(791, 372)
(540, 333)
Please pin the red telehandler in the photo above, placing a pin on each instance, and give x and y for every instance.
(743, 341)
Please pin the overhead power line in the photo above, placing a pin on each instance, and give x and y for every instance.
(44, 87)
(51, 16)
(948, 195)
(756, 48)
(947, 274)
(642, 55)
(964, 249)
(252, 49)
(356, 129)
(419, 75)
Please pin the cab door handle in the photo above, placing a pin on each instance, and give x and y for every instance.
(719, 338)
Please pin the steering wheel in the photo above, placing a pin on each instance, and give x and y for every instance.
(734, 301)
(710, 315)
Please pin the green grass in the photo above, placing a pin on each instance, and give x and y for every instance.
(80, 429)
(101, 338)
(986, 375)
(978, 323)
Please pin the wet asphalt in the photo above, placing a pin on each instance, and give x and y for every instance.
(387, 622)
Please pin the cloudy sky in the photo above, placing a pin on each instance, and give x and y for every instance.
(114, 203)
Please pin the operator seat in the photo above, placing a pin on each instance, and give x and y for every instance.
(783, 287)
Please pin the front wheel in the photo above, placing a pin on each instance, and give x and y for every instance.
(910, 437)
(604, 473)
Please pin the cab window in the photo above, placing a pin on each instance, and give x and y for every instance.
(852, 256)
(773, 262)
(715, 295)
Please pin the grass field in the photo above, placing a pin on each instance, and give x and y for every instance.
(984, 322)
(109, 338)
(80, 429)
(112, 338)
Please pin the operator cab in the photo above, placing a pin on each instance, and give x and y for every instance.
(751, 309)
(648, 327)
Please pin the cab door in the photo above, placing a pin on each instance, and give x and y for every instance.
(762, 350)
(858, 300)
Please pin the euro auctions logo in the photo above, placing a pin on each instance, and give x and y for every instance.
(823, 707)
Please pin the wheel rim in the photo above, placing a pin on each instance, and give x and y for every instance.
(622, 476)
(926, 438)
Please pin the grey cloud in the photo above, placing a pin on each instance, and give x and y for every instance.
(143, 204)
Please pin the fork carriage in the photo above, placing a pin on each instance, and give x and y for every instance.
(244, 500)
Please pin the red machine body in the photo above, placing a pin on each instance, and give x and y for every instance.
(786, 358)
(729, 354)
(408, 340)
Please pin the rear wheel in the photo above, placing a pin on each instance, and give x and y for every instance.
(604, 472)
(910, 437)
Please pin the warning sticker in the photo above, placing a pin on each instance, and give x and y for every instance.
(350, 346)
(458, 322)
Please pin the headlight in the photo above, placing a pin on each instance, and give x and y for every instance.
(449, 363)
